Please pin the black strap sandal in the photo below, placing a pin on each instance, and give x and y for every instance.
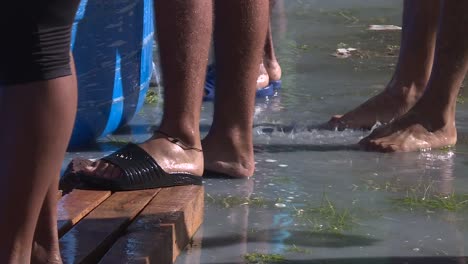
(139, 171)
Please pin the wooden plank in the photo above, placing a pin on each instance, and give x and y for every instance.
(76, 205)
(163, 229)
(141, 248)
(90, 239)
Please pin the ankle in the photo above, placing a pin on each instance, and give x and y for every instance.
(434, 116)
(188, 136)
(273, 68)
(46, 254)
(409, 92)
(225, 155)
(231, 134)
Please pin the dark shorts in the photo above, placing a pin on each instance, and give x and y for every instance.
(35, 39)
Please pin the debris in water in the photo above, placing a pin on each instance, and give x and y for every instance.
(280, 205)
(383, 27)
(416, 249)
(343, 53)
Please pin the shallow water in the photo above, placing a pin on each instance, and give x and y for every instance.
(314, 196)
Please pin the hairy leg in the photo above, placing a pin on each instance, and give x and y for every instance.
(184, 31)
(239, 39)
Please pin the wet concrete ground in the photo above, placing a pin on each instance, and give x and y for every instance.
(314, 197)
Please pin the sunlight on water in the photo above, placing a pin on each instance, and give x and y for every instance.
(271, 134)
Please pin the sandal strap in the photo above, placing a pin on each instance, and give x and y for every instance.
(178, 141)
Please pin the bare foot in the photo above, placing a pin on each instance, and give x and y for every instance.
(229, 158)
(171, 157)
(273, 69)
(388, 105)
(263, 80)
(416, 130)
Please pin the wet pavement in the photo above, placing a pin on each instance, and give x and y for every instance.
(315, 198)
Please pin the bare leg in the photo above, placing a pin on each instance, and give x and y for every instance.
(184, 30)
(263, 78)
(269, 57)
(431, 122)
(37, 120)
(45, 248)
(411, 74)
(240, 37)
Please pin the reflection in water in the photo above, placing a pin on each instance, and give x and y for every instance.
(240, 223)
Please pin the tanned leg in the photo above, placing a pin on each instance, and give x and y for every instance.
(411, 75)
(37, 119)
(184, 32)
(269, 57)
(431, 122)
(239, 40)
(45, 248)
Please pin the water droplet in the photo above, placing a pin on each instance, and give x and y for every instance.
(283, 165)
(270, 160)
(280, 205)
